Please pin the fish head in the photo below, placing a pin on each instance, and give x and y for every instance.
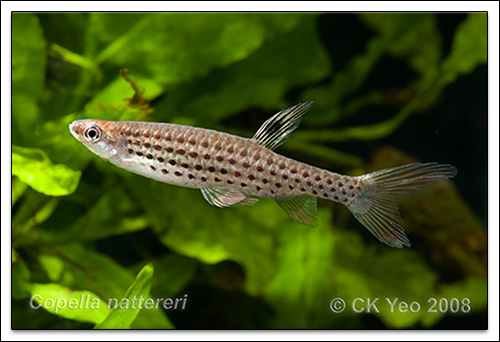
(98, 136)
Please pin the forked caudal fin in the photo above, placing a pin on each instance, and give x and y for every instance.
(382, 191)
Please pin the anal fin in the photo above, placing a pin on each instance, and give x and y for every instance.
(226, 197)
(301, 208)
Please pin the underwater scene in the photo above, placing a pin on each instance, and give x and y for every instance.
(97, 246)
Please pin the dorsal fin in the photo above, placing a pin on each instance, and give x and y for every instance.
(276, 130)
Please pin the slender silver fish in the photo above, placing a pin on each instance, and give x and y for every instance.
(227, 168)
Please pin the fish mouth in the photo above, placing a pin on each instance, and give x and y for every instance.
(75, 128)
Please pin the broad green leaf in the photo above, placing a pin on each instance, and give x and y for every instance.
(261, 80)
(28, 74)
(176, 47)
(33, 167)
(83, 306)
(469, 48)
(87, 269)
(127, 308)
(20, 277)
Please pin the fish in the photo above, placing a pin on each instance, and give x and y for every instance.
(235, 171)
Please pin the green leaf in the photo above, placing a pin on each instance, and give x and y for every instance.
(29, 60)
(260, 80)
(86, 268)
(176, 47)
(129, 307)
(34, 168)
(469, 47)
(20, 277)
(83, 306)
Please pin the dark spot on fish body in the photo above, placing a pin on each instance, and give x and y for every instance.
(294, 171)
(230, 150)
(336, 198)
(217, 147)
(260, 168)
(302, 189)
(282, 166)
(193, 154)
(219, 158)
(329, 181)
(290, 187)
(217, 179)
(129, 141)
(321, 187)
(273, 173)
(157, 136)
(169, 149)
(258, 188)
(325, 195)
(333, 189)
(204, 144)
(192, 142)
(152, 167)
(285, 177)
(172, 162)
(157, 147)
(243, 184)
(272, 192)
(149, 156)
(245, 165)
(168, 138)
(160, 159)
(251, 177)
(340, 185)
(336, 177)
(317, 178)
(314, 192)
(305, 174)
(146, 135)
(229, 182)
(237, 174)
(136, 134)
(198, 167)
(190, 176)
(130, 151)
(265, 181)
(139, 153)
(180, 140)
(345, 200)
(297, 180)
(128, 133)
(164, 171)
(351, 187)
(269, 161)
(232, 161)
(243, 153)
(211, 169)
(223, 171)
(206, 156)
(309, 183)
(256, 157)
(137, 142)
(343, 192)
(181, 151)
(185, 165)
(278, 185)
(203, 179)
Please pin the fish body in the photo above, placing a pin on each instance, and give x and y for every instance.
(228, 168)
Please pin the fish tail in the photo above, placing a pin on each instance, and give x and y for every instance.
(377, 207)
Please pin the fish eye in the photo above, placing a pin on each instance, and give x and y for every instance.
(92, 133)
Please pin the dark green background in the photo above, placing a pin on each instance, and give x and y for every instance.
(388, 89)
